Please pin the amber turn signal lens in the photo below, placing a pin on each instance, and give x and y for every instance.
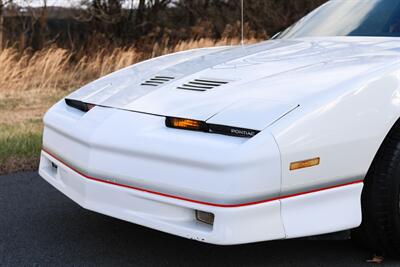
(304, 164)
(186, 124)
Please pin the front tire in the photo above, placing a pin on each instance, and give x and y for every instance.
(380, 229)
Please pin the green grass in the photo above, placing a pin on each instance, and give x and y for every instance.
(20, 146)
(21, 127)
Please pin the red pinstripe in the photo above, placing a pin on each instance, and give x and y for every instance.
(197, 201)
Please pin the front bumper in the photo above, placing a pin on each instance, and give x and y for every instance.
(232, 225)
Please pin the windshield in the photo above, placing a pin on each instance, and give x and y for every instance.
(349, 18)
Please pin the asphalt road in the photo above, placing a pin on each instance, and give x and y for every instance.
(41, 227)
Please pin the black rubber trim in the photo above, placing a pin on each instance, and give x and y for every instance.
(82, 106)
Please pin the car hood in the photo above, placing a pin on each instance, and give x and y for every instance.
(244, 86)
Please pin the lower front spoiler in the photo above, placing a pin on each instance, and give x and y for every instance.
(317, 212)
(236, 225)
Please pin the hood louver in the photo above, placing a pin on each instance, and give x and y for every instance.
(201, 85)
(157, 80)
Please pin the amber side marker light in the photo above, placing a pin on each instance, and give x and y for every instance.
(186, 124)
(304, 164)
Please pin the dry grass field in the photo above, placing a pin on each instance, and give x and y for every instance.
(31, 82)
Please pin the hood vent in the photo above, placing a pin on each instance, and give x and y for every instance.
(202, 85)
(157, 80)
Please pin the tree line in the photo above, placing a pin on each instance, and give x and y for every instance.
(141, 23)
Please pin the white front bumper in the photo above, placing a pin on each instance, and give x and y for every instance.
(318, 212)
(236, 225)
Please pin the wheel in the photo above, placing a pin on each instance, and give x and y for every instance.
(380, 229)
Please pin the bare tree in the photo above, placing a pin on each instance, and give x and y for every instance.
(156, 6)
(42, 25)
(37, 23)
(140, 12)
(3, 3)
(1, 24)
(195, 9)
(105, 11)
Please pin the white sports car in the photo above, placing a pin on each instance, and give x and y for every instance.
(292, 137)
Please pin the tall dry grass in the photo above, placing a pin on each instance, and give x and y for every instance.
(58, 69)
(54, 68)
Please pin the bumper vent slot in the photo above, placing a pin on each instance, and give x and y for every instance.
(157, 80)
(202, 85)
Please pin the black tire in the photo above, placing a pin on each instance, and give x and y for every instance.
(380, 229)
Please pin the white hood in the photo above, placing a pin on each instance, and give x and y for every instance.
(263, 81)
